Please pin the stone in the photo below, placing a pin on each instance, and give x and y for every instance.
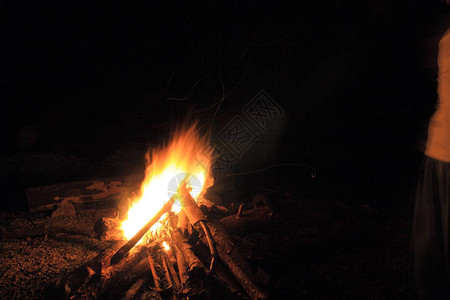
(65, 209)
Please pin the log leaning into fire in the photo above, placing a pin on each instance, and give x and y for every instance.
(190, 269)
(194, 266)
(227, 250)
(110, 277)
(185, 282)
(134, 289)
(248, 221)
(127, 277)
(170, 271)
(63, 287)
(196, 217)
(238, 265)
(182, 221)
(159, 272)
(131, 283)
(120, 254)
(195, 277)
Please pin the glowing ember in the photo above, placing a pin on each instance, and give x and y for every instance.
(186, 158)
(166, 247)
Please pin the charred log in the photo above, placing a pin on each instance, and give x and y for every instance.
(251, 220)
(66, 285)
(134, 289)
(231, 256)
(110, 276)
(194, 266)
(159, 272)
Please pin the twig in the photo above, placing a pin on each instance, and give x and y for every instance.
(239, 212)
(211, 243)
(190, 92)
(170, 271)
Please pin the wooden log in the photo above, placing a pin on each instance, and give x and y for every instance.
(194, 266)
(189, 207)
(148, 293)
(248, 221)
(231, 256)
(198, 280)
(62, 287)
(170, 271)
(183, 221)
(186, 286)
(125, 285)
(134, 289)
(159, 273)
(105, 192)
(196, 216)
(221, 280)
(123, 281)
(191, 270)
(110, 276)
(219, 284)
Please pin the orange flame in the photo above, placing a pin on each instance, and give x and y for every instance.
(188, 158)
(166, 246)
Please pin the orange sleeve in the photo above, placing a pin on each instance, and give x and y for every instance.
(438, 143)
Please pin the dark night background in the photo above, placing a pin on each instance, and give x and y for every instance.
(86, 85)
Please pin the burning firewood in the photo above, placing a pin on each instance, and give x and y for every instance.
(190, 269)
(192, 240)
(170, 270)
(185, 280)
(149, 263)
(194, 265)
(160, 274)
(227, 250)
(120, 254)
(130, 284)
(196, 278)
(182, 221)
(197, 218)
(63, 287)
(110, 275)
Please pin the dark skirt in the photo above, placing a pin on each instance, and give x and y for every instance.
(430, 231)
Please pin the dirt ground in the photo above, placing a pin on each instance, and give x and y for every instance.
(311, 250)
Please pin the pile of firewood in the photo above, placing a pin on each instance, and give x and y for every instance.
(193, 254)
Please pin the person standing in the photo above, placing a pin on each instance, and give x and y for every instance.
(431, 230)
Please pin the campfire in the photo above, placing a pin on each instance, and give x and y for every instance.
(186, 159)
(166, 240)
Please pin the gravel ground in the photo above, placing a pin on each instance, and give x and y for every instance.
(313, 251)
(28, 266)
(36, 248)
